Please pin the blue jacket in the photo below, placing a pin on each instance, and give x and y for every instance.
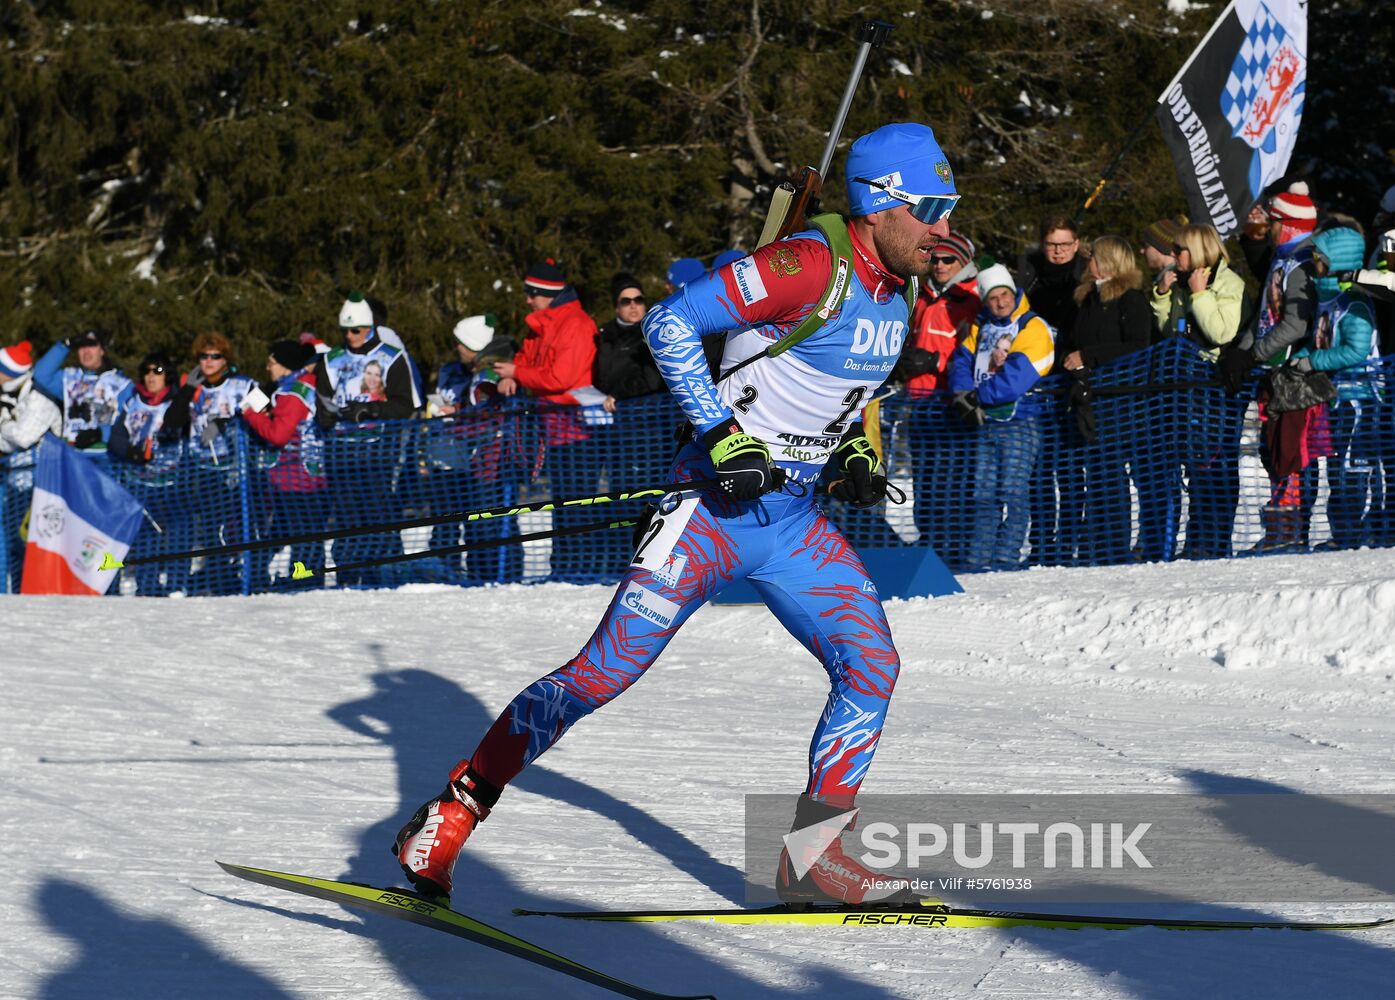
(1342, 338)
(1031, 350)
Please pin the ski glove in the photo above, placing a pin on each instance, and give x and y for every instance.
(917, 361)
(966, 408)
(742, 463)
(864, 477)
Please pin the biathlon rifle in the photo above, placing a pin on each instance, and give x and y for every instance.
(793, 202)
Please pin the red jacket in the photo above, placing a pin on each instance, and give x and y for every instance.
(557, 352)
(938, 323)
(556, 358)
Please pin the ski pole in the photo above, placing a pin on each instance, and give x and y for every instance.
(301, 572)
(613, 496)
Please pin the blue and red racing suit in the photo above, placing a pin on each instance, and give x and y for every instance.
(800, 403)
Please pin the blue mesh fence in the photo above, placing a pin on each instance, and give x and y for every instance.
(1150, 460)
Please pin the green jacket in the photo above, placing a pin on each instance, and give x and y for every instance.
(1213, 315)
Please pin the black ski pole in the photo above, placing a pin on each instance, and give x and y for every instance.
(301, 572)
(613, 496)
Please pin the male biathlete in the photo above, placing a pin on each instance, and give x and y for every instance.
(816, 323)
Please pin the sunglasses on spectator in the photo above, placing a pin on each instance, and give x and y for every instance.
(210, 356)
(940, 259)
(630, 300)
(156, 369)
(926, 208)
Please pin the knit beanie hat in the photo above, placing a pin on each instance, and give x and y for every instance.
(313, 342)
(1294, 208)
(475, 332)
(902, 155)
(291, 354)
(544, 279)
(1162, 234)
(622, 281)
(727, 257)
(956, 244)
(16, 360)
(355, 312)
(1387, 201)
(993, 277)
(684, 270)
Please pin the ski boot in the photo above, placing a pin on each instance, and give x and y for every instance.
(428, 845)
(829, 875)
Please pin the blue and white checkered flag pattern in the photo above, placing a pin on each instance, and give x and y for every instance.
(1263, 37)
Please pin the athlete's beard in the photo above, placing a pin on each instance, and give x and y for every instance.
(901, 253)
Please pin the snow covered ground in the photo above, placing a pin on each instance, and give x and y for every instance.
(143, 739)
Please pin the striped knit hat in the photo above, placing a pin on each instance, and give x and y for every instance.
(956, 244)
(1163, 233)
(1294, 208)
(544, 279)
(16, 360)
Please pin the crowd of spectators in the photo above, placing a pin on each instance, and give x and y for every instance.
(982, 337)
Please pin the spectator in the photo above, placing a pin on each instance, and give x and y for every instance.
(359, 461)
(347, 389)
(140, 436)
(204, 411)
(1282, 320)
(26, 414)
(947, 305)
(473, 454)
(1049, 275)
(1342, 342)
(209, 401)
(1113, 320)
(1158, 240)
(557, 354)
(1202, 301)
(298, 485)
(624, 368)
(1007, 350)
(88, 393)
(628, 450)
(1201, 298)
(682, 271)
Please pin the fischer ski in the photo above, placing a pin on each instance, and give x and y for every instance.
(408, 906)
(934, 916)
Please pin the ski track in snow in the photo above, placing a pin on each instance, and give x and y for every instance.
(143, 739)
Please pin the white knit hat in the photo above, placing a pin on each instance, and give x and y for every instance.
(993, 277)
(355, 311)
(475, 332)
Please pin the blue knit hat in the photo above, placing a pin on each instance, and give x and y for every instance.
(1343, 247)
(903, 155)
(727, 257)
(684, 270)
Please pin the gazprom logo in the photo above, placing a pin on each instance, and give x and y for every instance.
(883, 338)
(659, 610)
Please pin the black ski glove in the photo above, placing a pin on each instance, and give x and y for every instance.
(1235, 364)
(864, 478)
(965, 406)
(743, 466)
(359, 412)
(916, 361)
(88, 438)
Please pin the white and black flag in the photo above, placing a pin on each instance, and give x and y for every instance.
(1231, 115)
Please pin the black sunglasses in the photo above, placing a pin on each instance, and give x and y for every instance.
(210, 356)
(630, 300)
(943, 260)
(157, 369)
